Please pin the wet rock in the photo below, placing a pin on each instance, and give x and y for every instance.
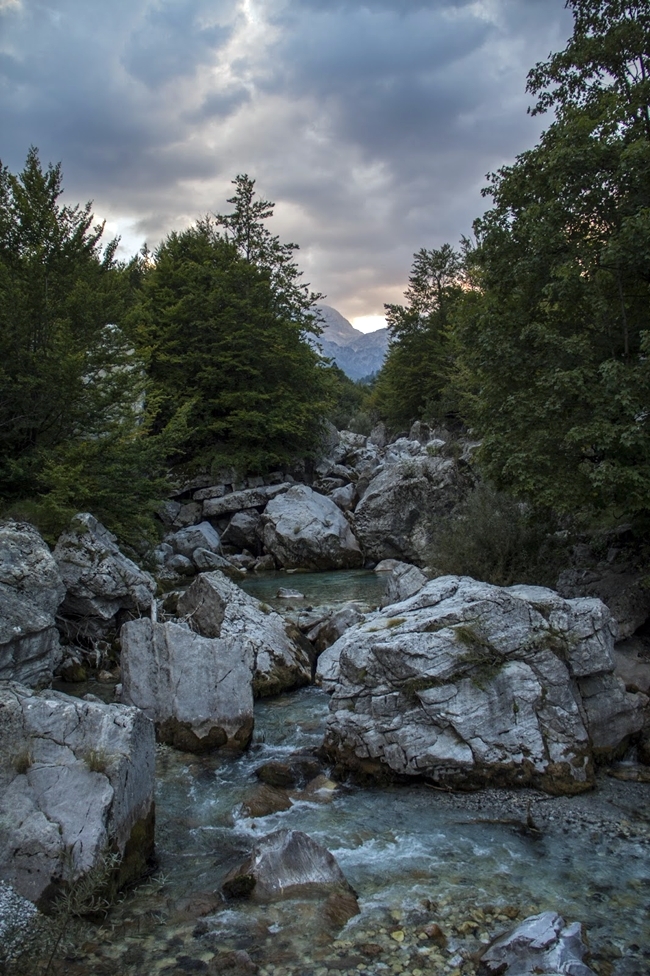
(100, 580)
(542, 944)
(287, 863)
(196, 690)
(295, 771)
(279, 657)
(264, 800)
(76, 779)
(471, 684)
(303, 529)
(284, 593)
(236, 962)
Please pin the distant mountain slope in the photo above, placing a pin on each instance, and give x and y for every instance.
(358, 354)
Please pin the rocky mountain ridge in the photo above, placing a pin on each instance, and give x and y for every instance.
(358, 354)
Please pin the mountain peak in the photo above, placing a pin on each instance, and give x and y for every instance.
(358, 354)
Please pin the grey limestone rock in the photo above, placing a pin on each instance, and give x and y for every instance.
(29, 640)
(238, 501)
(403, 581)
(344, 497)
(470, 684)
(286, 863)
(397, 514)
(201, 536)
(100, 580)
(277, 656)
(543, 944)
(303, 529)
(335, 623)
(242, 531)
(27, 565)
(76, 779)
(196, 690)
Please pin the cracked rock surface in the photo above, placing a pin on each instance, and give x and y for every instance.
(469, 684)
(303, 529)
(76, 779)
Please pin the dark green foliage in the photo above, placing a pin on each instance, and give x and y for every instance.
(218, 346)
(553, 346)
(413, 383)
(351, 407)
(72, 424)
(492, 537)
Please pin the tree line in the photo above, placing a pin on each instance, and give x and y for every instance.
(535, 333)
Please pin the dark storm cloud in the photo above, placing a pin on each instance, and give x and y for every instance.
(372, 124)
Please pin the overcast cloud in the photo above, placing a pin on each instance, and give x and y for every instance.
(370, 124)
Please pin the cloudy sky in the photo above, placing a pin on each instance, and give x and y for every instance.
(370, 123)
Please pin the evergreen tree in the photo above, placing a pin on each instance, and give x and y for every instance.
(71, 387)
(553, 348)
(217, 342)
(413, 383)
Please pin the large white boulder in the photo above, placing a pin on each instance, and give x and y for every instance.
(196, 690)
(303, 529)
(280, 657)
(469, 684)
(76, 781)
(100, 580)
(27, 565)
(400, 510)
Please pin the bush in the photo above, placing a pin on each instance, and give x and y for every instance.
(493, 538)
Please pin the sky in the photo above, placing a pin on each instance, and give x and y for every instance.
(370, 124)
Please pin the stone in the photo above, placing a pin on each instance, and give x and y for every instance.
(265, 564)
(179, 565)
(206, 561)
(344, 497)
(188, 514)
(623, 592)
(285, 864)
(29, 641)
(469, 684)
(76, 781)
(28, 566)
(285, 593)
(201, 536)
(333, 625)
(242, 531)
(238, 501)
(264, 800)
(304, 530)
(196, 690)
(397, 516)
(542, 944)
(632, 663)
(100, 580)
(17, 916)
(403, 581)
(295, 771)
(379, 436)
(279, 658)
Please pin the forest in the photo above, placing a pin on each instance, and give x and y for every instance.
(120, 378)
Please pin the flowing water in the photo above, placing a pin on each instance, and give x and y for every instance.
(416, 856)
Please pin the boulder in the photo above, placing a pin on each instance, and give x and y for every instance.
(206, 561)
(542, 944)
(275, 652)
(28, 566)
(239, 501)
(29, 641)
(402, 505)
(196, 690)
(285, 864)
(201, 536)
(305, 530)
(100, 580)
(632, 663)
(403, 581)
(344, 497)
(333, 625)
(625, 593)
(242, 531)
(76, 781)
(469, 684)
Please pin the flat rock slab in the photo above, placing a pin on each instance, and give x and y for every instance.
(196, 690)
(76, 780)
(470, 684)
(239, 501)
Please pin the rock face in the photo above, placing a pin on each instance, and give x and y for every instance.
(470, 684)
(31, 590)
(100, 580)
(277, 654)
(402, 581)
(397, 514)
(284, 864)
(623, 592)
(27, 565)
(305, 530)
(542, 944)
(197, 690)
(76, 780)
